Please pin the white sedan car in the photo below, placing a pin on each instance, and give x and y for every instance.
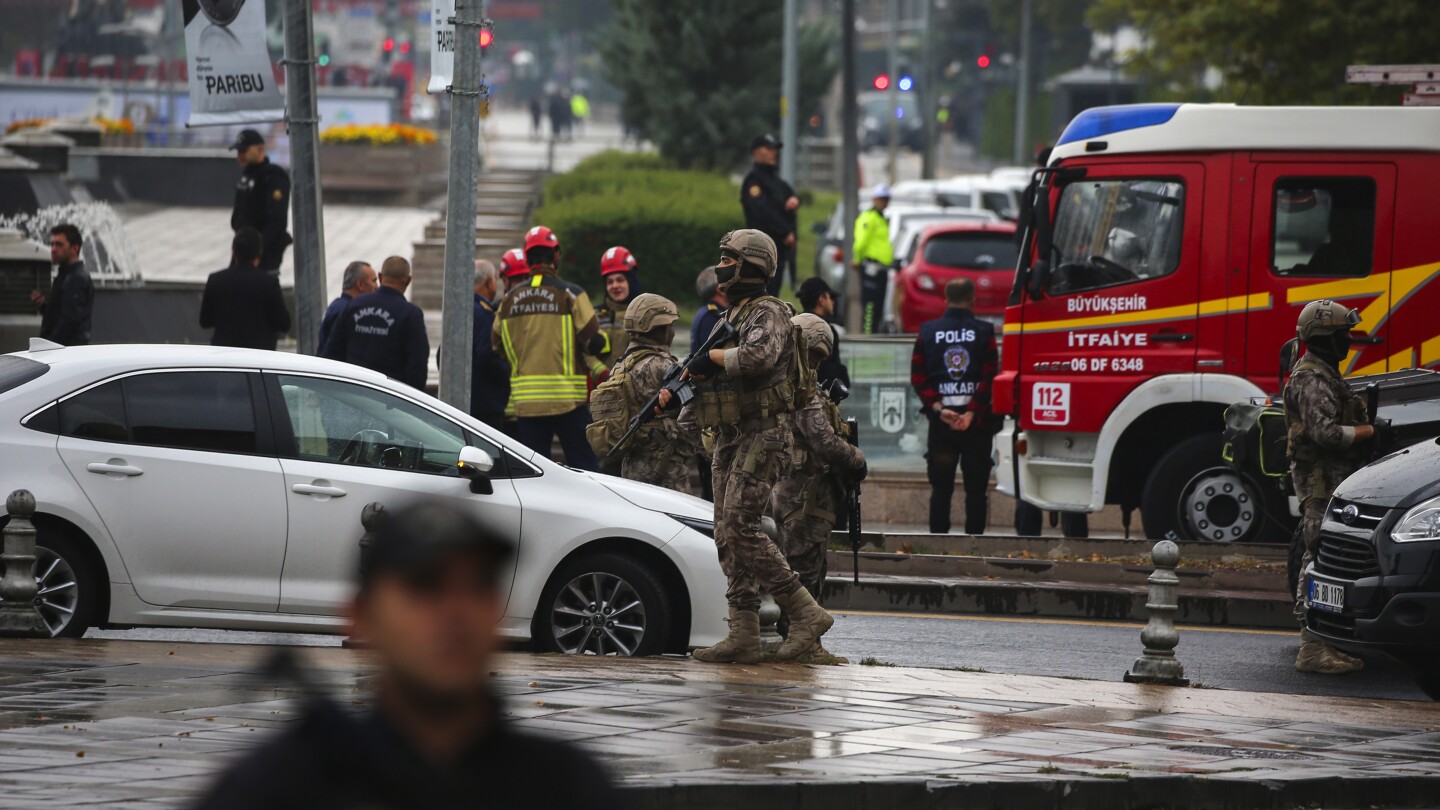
(189, 486)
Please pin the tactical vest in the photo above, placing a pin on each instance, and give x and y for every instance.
(615, 402)
(728, 401)
(1352, 414)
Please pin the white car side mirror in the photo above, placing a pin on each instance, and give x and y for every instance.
(473, 461)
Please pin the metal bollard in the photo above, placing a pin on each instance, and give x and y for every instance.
(1158, 664)
(372, 517)
(770, 638)
(19, 616)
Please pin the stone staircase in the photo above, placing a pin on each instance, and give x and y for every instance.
(503, 204)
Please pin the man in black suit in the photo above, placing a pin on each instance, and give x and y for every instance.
(242, 303)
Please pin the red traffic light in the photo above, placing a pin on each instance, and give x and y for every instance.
(882, 82)
(486, 37)
(404, 47)
(983, 61)
(388, 45)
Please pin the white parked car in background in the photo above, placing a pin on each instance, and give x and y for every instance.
(189, 486)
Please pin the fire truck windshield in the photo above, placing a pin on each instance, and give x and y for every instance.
(1113, 231)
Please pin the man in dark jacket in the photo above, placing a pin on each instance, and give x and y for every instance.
(437, 736)
(817, 298)
(262, 198)
(359, 279)
(770, 205)
(384, 332)
(952, 369)
(242, 303)
(489, 373)
(65, 312)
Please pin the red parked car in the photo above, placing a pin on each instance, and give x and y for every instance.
(982, 251)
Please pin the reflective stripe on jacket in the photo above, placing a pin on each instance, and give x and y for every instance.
(543, 328)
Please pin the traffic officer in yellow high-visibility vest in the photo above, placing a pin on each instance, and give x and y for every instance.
(873, 256)
(546, 326)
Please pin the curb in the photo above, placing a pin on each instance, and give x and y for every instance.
(1065, 600)
(1120, 790)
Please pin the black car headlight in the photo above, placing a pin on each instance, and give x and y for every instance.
(1421, 522)
(705, 527)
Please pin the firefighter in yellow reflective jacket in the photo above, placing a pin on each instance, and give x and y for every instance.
(546, 326)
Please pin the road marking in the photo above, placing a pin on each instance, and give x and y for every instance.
(963, 617)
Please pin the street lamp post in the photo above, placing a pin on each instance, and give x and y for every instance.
(457, 308)
(789, 92)
(302, 120)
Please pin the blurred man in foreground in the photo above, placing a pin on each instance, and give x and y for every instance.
(429, 603)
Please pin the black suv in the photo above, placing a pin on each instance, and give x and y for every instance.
(1375, 582)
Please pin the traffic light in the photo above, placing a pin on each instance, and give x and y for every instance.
(906, 83)
(882, 82)
(404, 47)
(323, 60)
(983, 61)
(388, 45)
(486, 37)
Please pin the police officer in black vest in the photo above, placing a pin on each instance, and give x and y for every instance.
(262, 198)
(770, 204)
(952, 369)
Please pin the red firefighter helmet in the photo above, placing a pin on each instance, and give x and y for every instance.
(616, 260)
(513, 263)
(540, 236)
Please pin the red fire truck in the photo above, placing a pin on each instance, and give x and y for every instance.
(1171, 250)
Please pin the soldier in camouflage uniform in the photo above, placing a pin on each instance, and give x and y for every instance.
(661, 451)
(1329, 438)
(807, 501)
(747, 393)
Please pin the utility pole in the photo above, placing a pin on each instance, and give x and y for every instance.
(892, 44)
(849, 161)
(927, 94)
(1022, 88)
(790, 91)
(302, 120)
(457, 317)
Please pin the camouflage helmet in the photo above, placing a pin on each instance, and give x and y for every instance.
(816, 333)
(1320, 318)
(648, 311)
(753, 247)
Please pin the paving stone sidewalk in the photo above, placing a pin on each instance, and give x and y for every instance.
(145, 724)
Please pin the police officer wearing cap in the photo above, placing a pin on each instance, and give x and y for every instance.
(770, 204)
(435, 733)
(262, 198)
(873, 255)
(952, 369)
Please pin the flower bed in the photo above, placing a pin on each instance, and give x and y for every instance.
(378, 135)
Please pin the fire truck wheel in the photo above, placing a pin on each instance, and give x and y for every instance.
(1075, 524)
(1193, 495)
(1028, 519)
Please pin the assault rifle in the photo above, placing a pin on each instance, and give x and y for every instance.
(852, 496)
(677, 382)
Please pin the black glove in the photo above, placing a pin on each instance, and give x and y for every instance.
(703, 366)
(859, 475)
(1384, 436)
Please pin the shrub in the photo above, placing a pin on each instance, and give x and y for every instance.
(671, 220)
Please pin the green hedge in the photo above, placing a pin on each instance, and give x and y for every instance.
(671, 220)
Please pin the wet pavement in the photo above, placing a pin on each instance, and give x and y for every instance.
(145, 724)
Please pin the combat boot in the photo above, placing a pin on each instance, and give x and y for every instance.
(741, 646)
(808, 622)
(819, 651)
(1317, 656)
